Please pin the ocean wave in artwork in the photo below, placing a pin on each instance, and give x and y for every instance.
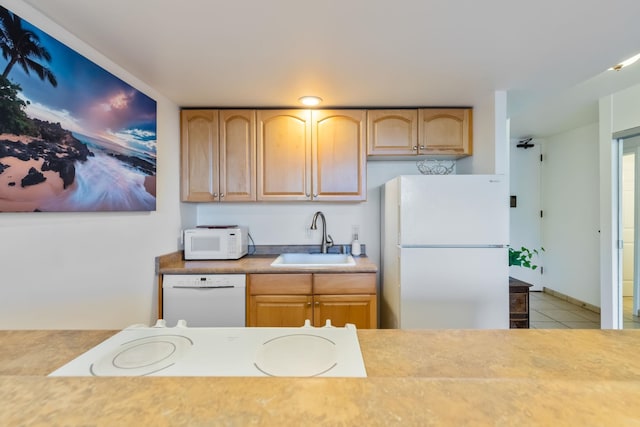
(104, 183)
(66, 176)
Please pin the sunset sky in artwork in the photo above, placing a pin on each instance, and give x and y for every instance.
(88, 99)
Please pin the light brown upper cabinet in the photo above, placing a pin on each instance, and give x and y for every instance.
(237, 155)
(311, 155)
(338, 156)
(218, 149)
(443, 132)
(392, 132)
(284, 154)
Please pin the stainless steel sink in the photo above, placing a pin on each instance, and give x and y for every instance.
(313, 260)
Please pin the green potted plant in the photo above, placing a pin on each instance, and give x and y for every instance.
(523, 257)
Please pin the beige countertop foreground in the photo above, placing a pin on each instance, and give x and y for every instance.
(429, 377)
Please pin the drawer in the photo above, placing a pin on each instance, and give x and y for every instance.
(518, 324)
(280, 284)
(341, 284)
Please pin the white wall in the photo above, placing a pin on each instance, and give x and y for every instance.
(610, 313)
(490, 138)
(90, 270)
(570, 227)
(626, 109)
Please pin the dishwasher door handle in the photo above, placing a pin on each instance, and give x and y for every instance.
(204, 287)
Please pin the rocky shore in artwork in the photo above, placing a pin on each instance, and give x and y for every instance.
(43, 164)
(142, 165)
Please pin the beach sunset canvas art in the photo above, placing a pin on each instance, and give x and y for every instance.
(73, 137)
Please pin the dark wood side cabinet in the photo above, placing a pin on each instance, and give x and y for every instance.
(518, 304)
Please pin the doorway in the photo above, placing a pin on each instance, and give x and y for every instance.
(525, 226)
(629, 231)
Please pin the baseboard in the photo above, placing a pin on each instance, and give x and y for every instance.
(571, 300)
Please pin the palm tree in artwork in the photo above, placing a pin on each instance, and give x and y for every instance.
(21, 46)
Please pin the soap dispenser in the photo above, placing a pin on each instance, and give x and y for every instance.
(355, 246)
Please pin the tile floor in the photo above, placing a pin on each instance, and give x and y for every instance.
(550, 312)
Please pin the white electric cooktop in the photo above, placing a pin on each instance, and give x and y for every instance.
(182, 351)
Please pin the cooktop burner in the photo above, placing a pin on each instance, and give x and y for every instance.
(181, 351)
(297, 355)
(142, 356)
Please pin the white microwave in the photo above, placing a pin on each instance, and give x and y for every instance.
(216, 242)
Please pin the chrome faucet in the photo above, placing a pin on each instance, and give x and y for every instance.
(327, 241)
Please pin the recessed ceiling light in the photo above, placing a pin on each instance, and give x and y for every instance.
(625, 63)
(310, 100)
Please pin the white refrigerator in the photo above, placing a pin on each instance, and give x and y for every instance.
(444, 252)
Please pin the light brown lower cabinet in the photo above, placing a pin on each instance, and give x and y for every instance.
(279, 310)
(342, 309)
(287, 300)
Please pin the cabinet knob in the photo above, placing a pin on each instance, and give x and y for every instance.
(308, 304)
(308, 195)
(215, 194)
(221, 195)
(422, 147)
(317, 303)
(315, 194)
(414, 148)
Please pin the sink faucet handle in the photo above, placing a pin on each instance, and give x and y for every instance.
(329, 240)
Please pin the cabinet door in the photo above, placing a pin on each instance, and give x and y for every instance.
(338, 155)
(359, 310)
(392, 132)
(237, 155)
(284, 155)
(445, 132)
(199, 152)
(279, 310)
(345, 298)
(279, 299)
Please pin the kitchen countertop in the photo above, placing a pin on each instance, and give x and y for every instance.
(174, 263)
(427, 377)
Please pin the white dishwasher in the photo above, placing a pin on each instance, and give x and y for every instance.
(204, 300)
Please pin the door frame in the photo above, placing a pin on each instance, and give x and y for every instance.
(611, 291)
(631, 145)
(525, 179)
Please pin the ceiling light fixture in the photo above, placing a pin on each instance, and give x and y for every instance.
(625, 63)
(310, 100)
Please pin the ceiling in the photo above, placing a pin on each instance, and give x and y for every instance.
(549, 55)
